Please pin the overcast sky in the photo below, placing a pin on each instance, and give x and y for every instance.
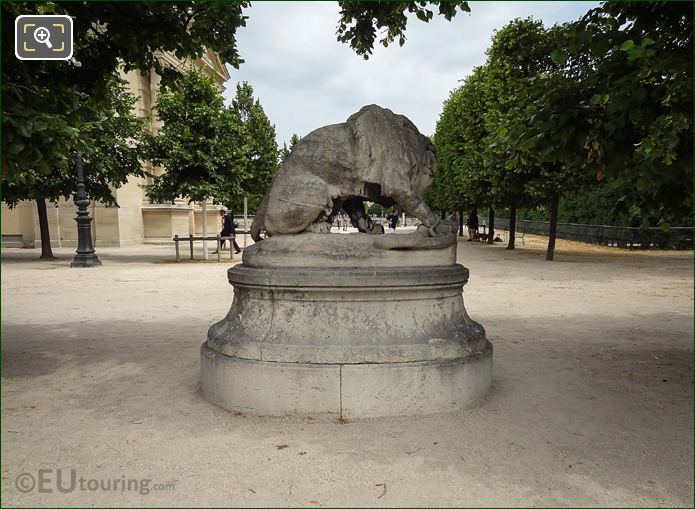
(306, 79)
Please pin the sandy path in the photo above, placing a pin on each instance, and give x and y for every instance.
(592, 403)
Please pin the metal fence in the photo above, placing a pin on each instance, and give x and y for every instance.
(617, 236)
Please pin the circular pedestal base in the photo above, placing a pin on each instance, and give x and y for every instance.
(338, 324)
(348, 390)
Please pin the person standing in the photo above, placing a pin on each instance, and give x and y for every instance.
(472, 225)
(392, 220)
(228, 230)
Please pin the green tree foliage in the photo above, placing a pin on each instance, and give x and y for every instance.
(478, 167)
(360, 21)
(259, 148)
(375, 209)
(44, 102)
(645, 126)
(108, 135)
(621, 107)
(599, 109)
(285, 150)
(108, 138)
(592, 203)
(519, 55)
(201, 144)
(462, 181)
(41, 100)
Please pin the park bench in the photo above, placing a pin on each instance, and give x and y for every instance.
(218, 239)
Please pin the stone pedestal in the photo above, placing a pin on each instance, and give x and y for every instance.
(331, 324)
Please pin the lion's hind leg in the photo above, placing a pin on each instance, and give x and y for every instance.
(303, 204)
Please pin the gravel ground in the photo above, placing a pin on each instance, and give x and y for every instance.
(591, 405)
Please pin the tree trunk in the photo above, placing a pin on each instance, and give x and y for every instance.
(46, 251)
(554, 205)
(512, 227)
(491, 228)
(460, 223)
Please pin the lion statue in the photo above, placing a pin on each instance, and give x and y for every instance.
(375, 156)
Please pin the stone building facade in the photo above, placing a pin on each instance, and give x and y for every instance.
(136, 220)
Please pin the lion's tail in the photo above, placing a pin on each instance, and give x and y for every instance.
(258, 223)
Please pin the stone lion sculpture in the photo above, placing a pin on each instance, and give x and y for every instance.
(376, 155)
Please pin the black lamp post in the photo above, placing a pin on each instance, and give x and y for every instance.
(85, 256)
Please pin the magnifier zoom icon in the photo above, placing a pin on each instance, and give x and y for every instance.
(43, 36)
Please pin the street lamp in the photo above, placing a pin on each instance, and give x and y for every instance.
(85, 255)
